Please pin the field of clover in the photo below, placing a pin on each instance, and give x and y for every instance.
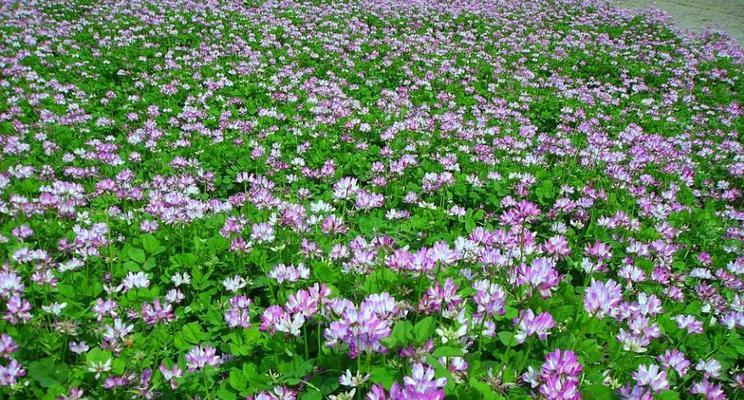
(368, 199)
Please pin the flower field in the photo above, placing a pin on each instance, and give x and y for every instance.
(368, 199)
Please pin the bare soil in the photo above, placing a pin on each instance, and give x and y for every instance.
(696, 15)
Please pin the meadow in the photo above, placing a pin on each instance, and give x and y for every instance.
(368, 199)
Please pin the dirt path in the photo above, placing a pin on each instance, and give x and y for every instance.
(725, 15)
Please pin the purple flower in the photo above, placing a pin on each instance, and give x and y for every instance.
(7, 345)
(540, 274)
(688, 322)
(438, 296)
(421, 385)
(171, 374)
(270, 318)
(601, 298)
(278, 393)
(18, 310)
(157, 312)
(376, 392)
(262, 233)
(709, 390)
(441, 252)
(362, 328)
(651, 377)
(104, 308)
(238, 314)
(529, 324)
(10, 283)
(489, 297)
(199, 358)
(78, 347)
(559, 376)
(134, 280)
(710, 367)
(675, 359)
(9, 374)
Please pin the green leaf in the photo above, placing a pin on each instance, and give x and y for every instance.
(486, 392)
(383, 376)
(237, 380)
(325, 272)
(46, 372)
(546, 190)
(151, 244)
(296, 368)
(256, 381)
(668, 395)
(312, 394)
(597, 391)
(137, 255)
(507, 338)
(225, 394)
(190, 336)
(447, 351)
(97, 355)
(328, 385)
(401, 335)
(424, 329)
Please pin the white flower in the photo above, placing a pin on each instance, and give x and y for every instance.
(54, 308)
(134, 280)
(447, 334)
(181, 279)
(291, 325)
(343, 396)
(99, 367)
(234, 284)
(347, 379)
(70, 265)
(710, 367)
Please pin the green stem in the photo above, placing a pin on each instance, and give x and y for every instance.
(307, 347)
(319, 340)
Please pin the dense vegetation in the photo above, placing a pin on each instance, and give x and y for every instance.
(368, 199)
